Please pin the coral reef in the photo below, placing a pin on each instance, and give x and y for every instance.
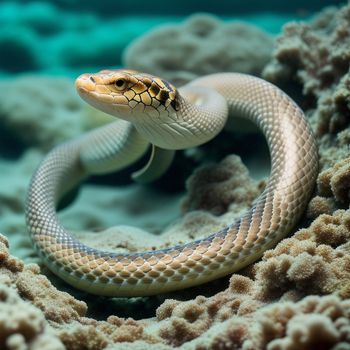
(203, 45)
(295, 297)
(221, 188)
(335, 181)
(27, 302)
(270, 309)
(23, 326)
(313, 58)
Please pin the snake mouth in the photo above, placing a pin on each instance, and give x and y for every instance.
(85, 84)
(87, 91)
(92, 89)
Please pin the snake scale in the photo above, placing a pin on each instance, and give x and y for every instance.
(152, 111)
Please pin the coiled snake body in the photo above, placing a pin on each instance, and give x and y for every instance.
(153, 111)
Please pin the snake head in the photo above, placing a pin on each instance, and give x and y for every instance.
(160, 114)
(128, 94)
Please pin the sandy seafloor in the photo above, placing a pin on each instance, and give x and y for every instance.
(295, 297)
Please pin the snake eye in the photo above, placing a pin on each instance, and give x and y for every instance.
(120, 84)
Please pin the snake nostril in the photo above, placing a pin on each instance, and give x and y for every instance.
(92, 79)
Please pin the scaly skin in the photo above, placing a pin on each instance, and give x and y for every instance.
(155, 112)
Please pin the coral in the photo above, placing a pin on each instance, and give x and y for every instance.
(22, 326)
(214, 188)
(313, 323)
(320, 205)
(240, 317)
(76, 337)
(335, 181)
(333, 189)
(57, 306)
(314, 54)
(181, 322)
(309, 262)
(313, 57)
(295, 297)
(203, 45)
(35, 288)
(312, 261)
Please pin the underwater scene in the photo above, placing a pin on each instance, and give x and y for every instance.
(174, 175)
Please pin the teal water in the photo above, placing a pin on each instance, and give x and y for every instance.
(69, 37)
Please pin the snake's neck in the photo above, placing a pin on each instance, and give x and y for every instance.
(200, 114)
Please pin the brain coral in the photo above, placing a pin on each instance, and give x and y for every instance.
(201, 45)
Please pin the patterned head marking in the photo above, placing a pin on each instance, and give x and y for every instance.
(127, 92)
(150, 91)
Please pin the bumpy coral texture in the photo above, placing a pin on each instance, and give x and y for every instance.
(220, 188)
(22, 325)
(314, 58)
(313, 261)
(296, 297)
(274, 294)
(201, 45)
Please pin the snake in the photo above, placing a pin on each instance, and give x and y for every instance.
(152, 112)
